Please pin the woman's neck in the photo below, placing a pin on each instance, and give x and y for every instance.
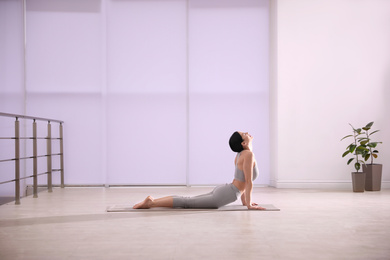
(249, 147)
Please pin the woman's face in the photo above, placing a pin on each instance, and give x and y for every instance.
(246, 137)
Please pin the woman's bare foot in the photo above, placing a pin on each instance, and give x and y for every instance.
(146, 204)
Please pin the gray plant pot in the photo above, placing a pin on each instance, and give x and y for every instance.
(373, 176)
(358, 181)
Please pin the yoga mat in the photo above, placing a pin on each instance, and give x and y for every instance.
(128, 208)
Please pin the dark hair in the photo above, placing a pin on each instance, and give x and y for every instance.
(235, 142)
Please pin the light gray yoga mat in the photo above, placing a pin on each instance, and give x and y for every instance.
(128, 208)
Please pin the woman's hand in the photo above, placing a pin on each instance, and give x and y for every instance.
(254, 206)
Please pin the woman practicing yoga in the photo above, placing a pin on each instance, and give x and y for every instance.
(245, 173)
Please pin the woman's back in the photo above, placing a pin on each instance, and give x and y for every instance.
(239, 166)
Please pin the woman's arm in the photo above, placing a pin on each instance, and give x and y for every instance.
(248, 172)
(243, 200)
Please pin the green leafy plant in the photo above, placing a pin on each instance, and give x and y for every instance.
(368, 143)
(362, 146)
(354, 148)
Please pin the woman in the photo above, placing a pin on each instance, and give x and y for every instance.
(245, 173)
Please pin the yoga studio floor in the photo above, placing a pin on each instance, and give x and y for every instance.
(72, 223)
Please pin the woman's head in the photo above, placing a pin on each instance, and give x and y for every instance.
(240, 141)
(235, 142)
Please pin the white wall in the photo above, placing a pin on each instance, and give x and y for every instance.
(64, 79)
(145, 87)
(11, 56)
(332, 68)
(228, 85)
(146, 92)
(11, 84)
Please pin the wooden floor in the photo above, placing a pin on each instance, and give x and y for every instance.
(72, 223)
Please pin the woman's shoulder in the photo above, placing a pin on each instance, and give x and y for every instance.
(247, 154)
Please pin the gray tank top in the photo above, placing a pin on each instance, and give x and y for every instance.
(239, 174)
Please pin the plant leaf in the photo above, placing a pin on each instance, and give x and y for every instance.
(374, 132)
(364, 142)
(350, 160)
(345, 137)
(357, 166)
(375, 151)
(352, 148)
(372, 145)
(366, 157)
(344, 154)
(374, 155)
(361, 149)
(369, 125)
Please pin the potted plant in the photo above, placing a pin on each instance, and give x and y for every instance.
(357, 150)
(373, 171)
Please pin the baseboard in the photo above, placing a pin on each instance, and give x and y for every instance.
(315, 184)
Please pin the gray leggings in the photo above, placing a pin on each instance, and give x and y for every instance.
(220, 196)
